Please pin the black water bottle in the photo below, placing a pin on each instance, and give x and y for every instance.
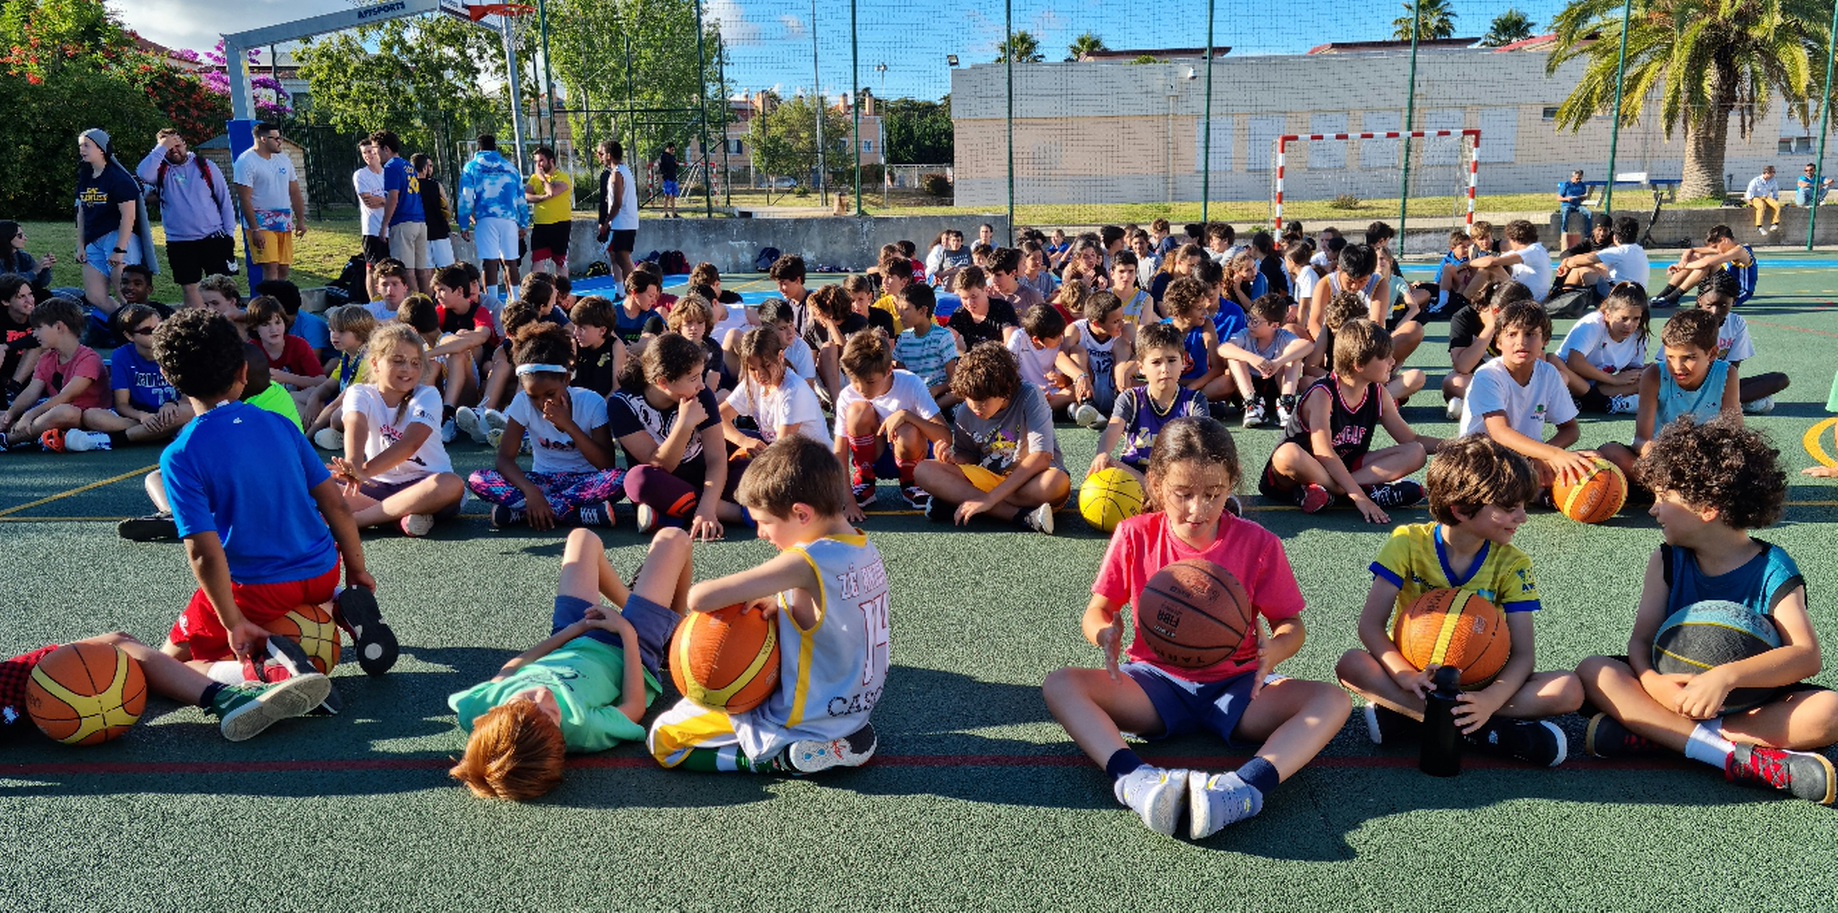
(1441, 755)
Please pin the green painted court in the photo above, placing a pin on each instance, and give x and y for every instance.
(977, 800)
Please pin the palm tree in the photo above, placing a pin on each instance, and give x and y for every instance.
(1700, 62)
(1088, 43)
(1507, 28)
(1026, 47)
(1438, 20)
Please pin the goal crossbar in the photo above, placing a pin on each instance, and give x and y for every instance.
(1282, 150)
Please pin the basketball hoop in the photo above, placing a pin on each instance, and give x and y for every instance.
(477, 13)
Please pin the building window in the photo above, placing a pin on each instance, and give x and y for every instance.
(734, 147)
(1795, 145)
(1550, 114)
(867, 147)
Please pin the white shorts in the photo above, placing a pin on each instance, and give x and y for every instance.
(496, 239)
(440, 253)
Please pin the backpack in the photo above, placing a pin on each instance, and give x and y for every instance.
(673, 263)
(598, 268)
(204, 168)
(1570, 303)
(767, 257)
(350, 283)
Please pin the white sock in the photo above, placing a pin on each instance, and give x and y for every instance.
(228, 671)
(1708, 745)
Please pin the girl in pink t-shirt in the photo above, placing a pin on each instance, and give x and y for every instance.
(1192, 472)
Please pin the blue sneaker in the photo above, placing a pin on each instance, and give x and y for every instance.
(1216, 800)
(1155, 796)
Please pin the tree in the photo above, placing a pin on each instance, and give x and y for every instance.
(1507, 28)
(1088, 43)
(1026, 48)
(614, 55)
(784, 140)
(918, 132)
(1438, 20)
(1700, 63)
(423, 82)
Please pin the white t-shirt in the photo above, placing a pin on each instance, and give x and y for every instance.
(381, 311)
(1626, 263)
(1590, 337)
(384, 431)
(268, 178)
(550, 449)
(799, 360)
(1306, 279)
(791, 403)
(907, 392)
(1733, 343)
(1544, 401)
(1034, 363)
(366, 181)
(1533, 270)
(627, 217)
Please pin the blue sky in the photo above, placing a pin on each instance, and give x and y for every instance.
(770, 42)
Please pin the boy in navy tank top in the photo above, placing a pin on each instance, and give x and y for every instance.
(1329, 455)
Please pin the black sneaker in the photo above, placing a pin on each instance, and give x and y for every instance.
(600, 514)
(150, 528)
(1607, 738)
(355, 610)
(1804, 774)
(938, 510)
(1393, 495)
(1384, 725)
(1537, 742)
(504, 517)
(852, 750)
(286, 660)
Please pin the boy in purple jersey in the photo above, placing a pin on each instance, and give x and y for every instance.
(1141, 412)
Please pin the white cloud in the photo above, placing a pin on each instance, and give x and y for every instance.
(794, 27)
(735, 29)
(198, 24)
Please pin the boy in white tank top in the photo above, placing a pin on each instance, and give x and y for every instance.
(828, 590)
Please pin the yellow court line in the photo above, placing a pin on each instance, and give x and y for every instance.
(78, 490)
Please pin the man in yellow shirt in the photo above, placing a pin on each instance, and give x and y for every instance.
(551, 199)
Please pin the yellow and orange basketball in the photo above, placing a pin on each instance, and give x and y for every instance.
(86, 694)
(312, 627)
(1457, 628)
(726, 660)
(1109, 497)
(1597, 498)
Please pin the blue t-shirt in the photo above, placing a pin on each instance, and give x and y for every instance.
(1230, 319)
(1758, 585)
(1194, 348)
(312, 328)
(1745, 276)
(247, 475)
(147, 386)
(1142, 420)
(399, 176)
(1572, 189)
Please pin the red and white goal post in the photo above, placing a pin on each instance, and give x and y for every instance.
(1461, 180)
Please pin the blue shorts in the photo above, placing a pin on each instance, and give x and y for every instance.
(670, 188)
(653, 622)
(96, 254)
(1186, 707)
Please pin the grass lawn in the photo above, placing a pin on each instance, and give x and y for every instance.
(318, 257)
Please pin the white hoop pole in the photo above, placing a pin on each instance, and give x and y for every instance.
(1282, 152)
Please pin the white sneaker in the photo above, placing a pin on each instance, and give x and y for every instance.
(852, 750)
(1454, 410)
(1089, 416)
(495, 419)
(1254, 414)
(77, 440)
(1625, 404)
(330, 439)
(449, 430)
(1761, 406)
(647, 519)
(494, 437)
(471, 423)
(1040, 519)
(415, 526)
(1218, 800)
(1154, 795)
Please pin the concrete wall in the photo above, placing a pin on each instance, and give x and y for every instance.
(732, 244)
(1104, 132)
(1679, 228)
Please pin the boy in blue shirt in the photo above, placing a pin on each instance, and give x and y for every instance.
(1712, 484)
(263, 522)
(145, 406)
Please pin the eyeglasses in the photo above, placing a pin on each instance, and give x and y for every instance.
(142, 331)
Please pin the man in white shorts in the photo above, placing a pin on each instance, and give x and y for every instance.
(490, 203)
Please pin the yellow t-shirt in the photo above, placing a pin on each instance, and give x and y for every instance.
(1414, 559)
(886, 303)
(559, 208)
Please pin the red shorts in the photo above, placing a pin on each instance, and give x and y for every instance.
(199, 627)
(14, 673)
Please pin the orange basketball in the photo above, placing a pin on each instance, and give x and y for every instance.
(86, 694)
(312, 627)
(726, 660)
(1456, 628)
(1597, 498)
(1193, 614)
